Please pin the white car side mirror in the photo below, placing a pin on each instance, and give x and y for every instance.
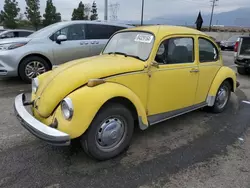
(61, 38)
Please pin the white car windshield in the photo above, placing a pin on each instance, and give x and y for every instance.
(133, 44)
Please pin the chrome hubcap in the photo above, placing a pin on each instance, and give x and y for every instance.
(111, 134)
(222, 97)
(34, 69)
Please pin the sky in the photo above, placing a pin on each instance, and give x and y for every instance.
(131, 9)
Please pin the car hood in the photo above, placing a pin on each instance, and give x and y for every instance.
(13, 40)
(60, 82)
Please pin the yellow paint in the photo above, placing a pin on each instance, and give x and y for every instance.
(169, 87)
(223, 74)
(87, 101)
(67, 78)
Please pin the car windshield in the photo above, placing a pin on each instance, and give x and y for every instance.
(133, 44)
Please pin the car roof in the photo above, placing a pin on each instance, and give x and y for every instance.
(94, 22)
(168, 30)
(17, 30)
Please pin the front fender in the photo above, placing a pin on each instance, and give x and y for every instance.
(223, 74)
(88, 100)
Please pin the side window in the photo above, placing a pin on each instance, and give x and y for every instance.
(10, 35)
(73, 32)
(24, 34)
(176, 50)
(99, 31)
(207, 51)
(16, 34)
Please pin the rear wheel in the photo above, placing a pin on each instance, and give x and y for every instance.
(32, 67)
(242, 70)
(110, 132)
(222, 98)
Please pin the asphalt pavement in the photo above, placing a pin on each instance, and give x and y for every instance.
(186, 151)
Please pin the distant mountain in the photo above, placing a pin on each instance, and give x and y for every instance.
(239, 18)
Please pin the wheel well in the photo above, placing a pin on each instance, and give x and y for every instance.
(127, 103)
(38, 55)
(231, 82)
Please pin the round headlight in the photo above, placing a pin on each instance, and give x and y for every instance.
(67, 108)
(35, 84)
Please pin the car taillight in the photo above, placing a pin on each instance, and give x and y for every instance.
(236, 46)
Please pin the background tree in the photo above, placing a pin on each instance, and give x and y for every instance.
(32, 12)
(50, 15)
(8, 15)
(79, 13)
(94, 15)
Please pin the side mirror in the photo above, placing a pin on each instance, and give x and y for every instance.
(61, 38)
(155, 64)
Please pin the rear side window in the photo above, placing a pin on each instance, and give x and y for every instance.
(207, 51)
(245, 46)
(99, 31)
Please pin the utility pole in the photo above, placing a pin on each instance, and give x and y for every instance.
(106, 10)
(212, 13)
(142, 12)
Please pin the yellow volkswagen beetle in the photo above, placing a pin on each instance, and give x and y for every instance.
(143, 76)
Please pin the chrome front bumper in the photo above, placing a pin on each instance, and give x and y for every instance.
(40, 130)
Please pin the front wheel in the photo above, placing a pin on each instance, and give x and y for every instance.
(222, 98)
(32, 67)
(110, 132)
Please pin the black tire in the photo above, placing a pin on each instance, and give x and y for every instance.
(222, 48)
(26, 61)
(242, 70)
(89, 142)
(216, 108)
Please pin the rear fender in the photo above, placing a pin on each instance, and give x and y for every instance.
(225, 73)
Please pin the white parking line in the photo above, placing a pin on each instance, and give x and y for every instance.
(247, 102)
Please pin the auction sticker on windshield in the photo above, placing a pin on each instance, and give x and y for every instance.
(144, 38)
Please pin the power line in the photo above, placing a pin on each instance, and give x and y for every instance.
(113, 7)
(212, 13)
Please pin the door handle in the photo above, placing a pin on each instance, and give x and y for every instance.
(93, 42)
(194, 70)
(82, 43)
(97, 42)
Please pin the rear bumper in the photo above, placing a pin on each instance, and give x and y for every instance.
(40, 130)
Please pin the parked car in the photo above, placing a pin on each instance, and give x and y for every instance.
(242, 55)
(2, 30)
(143, 76)
(15, 33)
(229, 43)
(53, 45)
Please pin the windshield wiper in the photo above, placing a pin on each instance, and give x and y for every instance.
(126, 55)
(119, 53)
(135, 56)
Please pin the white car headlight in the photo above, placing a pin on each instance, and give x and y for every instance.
(11, 46)
(67, 108)
(35, 84)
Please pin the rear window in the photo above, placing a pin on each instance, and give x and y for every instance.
(245, 46)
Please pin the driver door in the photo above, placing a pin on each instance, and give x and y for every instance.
(173, 84)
